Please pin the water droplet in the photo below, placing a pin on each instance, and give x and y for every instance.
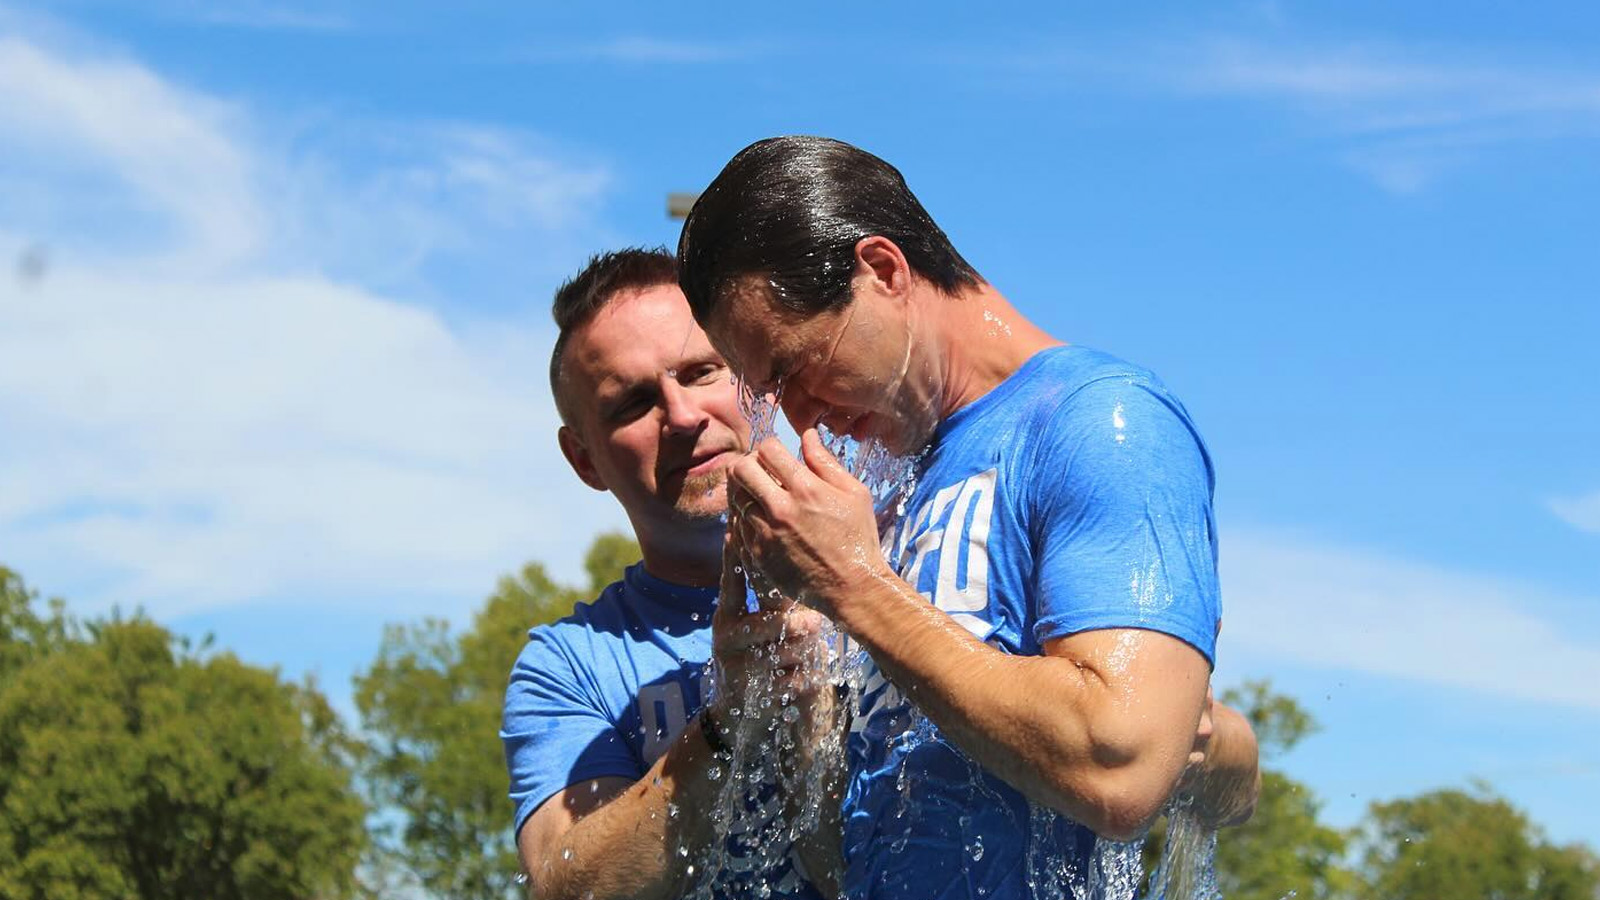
(567, 853)
(522, 878)
(976, 850)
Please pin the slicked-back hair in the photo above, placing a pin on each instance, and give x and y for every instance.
(586, 293)
(790, 210)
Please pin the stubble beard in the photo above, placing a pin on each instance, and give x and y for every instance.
(703, 497)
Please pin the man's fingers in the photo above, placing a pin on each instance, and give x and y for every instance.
(749, 476)
(788, 471)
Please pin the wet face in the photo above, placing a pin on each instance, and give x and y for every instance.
(656, 415)
(847, 369)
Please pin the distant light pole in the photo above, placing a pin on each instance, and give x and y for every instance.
(679, 204)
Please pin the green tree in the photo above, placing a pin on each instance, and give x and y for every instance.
(26, 635)
(132, 765)
(1468, 845)
(1283, 847)
(431, 703)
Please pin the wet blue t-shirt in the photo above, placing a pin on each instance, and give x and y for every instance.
(1074, 496)
(606, 690)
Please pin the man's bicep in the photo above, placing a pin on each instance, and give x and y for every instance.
(1141, 695)
(1154, 684)
(545, 830)
(556, 735)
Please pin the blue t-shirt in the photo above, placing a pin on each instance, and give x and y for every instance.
(606, 690)
(1074, 496)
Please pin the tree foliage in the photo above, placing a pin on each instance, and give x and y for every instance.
(431, 704)
(133, 766)
(1468, 845)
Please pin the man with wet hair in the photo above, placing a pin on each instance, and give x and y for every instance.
(1060, 524)
(612, 746)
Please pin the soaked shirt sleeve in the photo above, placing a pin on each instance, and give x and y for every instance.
(1122, 527)
(554, 730)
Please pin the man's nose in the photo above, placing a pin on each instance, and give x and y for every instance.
(681, 411)
(801, 409)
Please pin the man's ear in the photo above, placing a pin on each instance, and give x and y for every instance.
(579, 459)
(881, 263)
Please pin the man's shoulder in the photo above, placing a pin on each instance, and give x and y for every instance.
(600, 619)
(1063, 373)
(1057, 390)
(1081, 411)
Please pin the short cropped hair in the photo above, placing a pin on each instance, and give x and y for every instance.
(791, 210)
(583, 295)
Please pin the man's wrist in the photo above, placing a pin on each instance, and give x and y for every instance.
(713, 733)
(877, 591)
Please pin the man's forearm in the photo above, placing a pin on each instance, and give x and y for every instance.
(1230, 780)
(1065, 734)
(654, 824)
(660, 825)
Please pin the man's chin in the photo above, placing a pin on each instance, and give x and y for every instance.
(703, 497)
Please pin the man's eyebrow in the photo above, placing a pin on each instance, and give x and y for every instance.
(612, 387)
(710, 357)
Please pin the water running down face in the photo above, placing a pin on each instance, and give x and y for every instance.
(845, 369)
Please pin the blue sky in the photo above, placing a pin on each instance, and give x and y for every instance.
(273, 309)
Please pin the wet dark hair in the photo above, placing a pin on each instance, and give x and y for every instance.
(583, 296)
(791, 210)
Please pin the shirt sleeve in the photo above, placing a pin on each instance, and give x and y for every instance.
(1123, 525)
(554, 731)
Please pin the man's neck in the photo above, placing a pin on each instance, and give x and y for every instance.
(692, 557)
(983, 341)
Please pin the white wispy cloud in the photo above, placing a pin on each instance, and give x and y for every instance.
(166, 151)
(1359, 611)
(1404, 114)
(196, 414)
(1582, 513)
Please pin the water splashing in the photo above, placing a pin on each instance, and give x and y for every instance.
(772, 784)
(769, 796)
